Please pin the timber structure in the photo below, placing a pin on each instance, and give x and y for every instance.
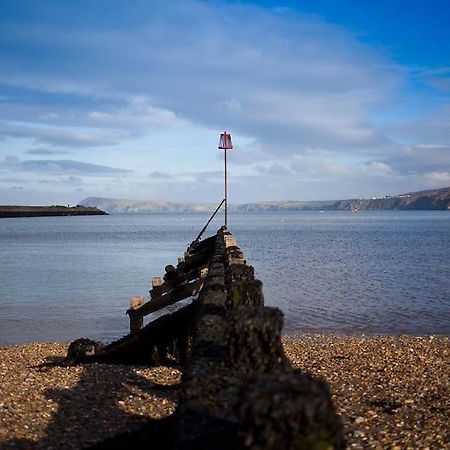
(238, 389)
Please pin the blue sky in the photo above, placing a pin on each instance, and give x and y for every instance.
(324, 99)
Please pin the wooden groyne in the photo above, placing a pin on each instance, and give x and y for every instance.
(238, 389)
(7, 211)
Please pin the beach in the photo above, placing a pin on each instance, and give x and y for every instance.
(391, 391)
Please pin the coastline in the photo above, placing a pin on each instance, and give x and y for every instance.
(391, 391)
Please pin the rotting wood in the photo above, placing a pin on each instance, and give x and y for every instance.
(165, 340)
(197, 259)
(175, 295)
(136, 321)
(237, 344)
(178, 279)
(157, 288)
(238, 389)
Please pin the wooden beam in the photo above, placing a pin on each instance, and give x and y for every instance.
(195, 247)
(174, 296)
(182, 278)
(197, 259)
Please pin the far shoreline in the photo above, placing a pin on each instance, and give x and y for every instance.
(13, 211)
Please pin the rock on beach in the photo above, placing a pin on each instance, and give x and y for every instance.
(392, 392)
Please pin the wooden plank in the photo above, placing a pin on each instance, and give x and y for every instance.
(177, 294)
(183, 278)
(199, 246)
(197, 259)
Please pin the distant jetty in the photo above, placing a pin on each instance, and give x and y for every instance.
(44, 211)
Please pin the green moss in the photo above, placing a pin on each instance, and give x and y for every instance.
(236, 297)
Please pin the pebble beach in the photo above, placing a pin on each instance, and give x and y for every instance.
(392, 392)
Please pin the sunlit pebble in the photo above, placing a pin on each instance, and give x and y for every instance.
(356, 380)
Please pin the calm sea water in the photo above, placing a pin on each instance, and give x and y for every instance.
(369, 272)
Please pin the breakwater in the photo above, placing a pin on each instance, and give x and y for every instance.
(238, 389)
(43, 211)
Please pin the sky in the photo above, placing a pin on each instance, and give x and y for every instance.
(324, 99)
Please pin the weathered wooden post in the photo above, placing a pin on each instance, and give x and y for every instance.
(136, 320)
(157, 288)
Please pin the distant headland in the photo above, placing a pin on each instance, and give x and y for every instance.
(436, 199)
(54, 210)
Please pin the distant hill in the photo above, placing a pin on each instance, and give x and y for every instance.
(435, 199)
(121, 205)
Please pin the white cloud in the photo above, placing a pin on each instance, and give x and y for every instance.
(98, 115)
(58, 167)
(430, 130)
(161, 175)
(48, 116)
(231, 105)
(420, 158)
(275, 170)
(137, 113)
(62, 136)
(380, 167)
(438, 178)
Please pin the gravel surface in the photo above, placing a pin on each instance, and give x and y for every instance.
(73, 407)
(392, 392)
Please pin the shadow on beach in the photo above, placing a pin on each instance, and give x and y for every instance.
(108, 399)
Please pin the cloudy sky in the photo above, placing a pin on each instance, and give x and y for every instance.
(328, 99)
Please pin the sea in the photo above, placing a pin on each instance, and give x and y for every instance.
(370, 272)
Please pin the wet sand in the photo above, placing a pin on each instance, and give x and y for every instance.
(392, 392)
